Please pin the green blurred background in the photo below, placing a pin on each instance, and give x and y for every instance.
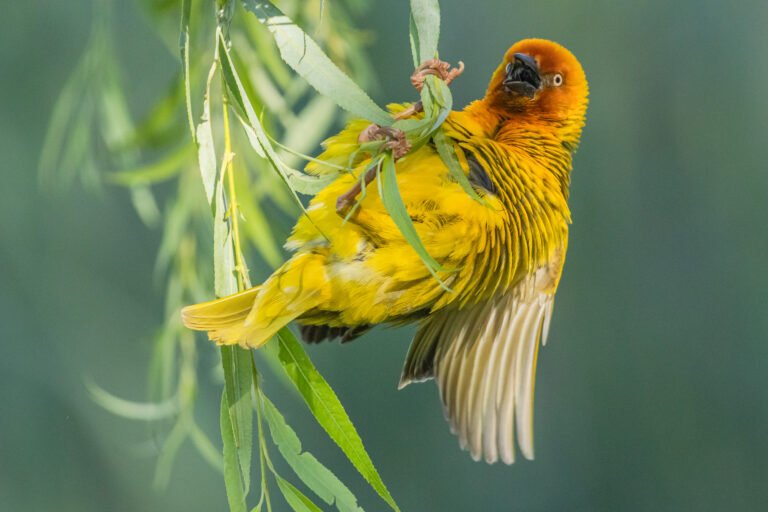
(652, 393)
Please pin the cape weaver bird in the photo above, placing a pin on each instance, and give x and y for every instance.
(503, 259)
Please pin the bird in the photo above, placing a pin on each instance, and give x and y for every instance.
(480, 326)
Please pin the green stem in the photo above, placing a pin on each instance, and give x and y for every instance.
(264, 461)
(234, 212)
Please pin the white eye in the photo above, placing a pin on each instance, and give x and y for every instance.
(557, 80)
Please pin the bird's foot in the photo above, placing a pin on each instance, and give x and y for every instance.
(347, 199)
(395, 140)
(438, 68)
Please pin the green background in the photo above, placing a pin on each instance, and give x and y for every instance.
(652, 393)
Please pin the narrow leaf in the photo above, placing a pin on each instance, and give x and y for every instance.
(238, 379)
(448, 154)
(327, 409)
(236, 362)
(393, 202)
(186, 6)
(315, 475)
(304, 55)
(232, 478)
(256, 135)
(206, 152)
(426, 21)
(294, 497)
(205, 447)
(413, 34)
(163, 169)
(255, 222)
(147, 411)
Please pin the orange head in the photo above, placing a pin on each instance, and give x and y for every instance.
(542, 79)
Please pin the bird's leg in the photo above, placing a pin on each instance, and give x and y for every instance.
(438, 68)
(395, 139)
(346, 200)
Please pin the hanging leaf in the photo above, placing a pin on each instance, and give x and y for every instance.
(294, 497)
(238, 379)
(155, 172)
(186, 6)
(296, 181)
(448, 154)
(146, 411)
(327, 409)
(206, 152)
(255, 222)
(232, 478)
(304, 55)
(316, 476)
(236, 362)
(393, 202)
(425, 16)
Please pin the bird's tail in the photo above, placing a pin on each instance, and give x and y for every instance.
(250, 318)
(221, 317)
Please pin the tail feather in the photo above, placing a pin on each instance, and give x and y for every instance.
(250, 318)
(220, 316)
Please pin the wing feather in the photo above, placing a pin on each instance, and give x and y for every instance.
(484, 361)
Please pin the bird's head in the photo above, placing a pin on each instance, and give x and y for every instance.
(540, 78)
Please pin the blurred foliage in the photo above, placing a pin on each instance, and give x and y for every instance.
(91, 128)
(651, 393)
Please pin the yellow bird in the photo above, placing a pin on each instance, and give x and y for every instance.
(502, 259)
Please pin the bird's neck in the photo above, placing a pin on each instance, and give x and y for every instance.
(549, 141)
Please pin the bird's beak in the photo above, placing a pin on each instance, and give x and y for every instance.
(523, 76)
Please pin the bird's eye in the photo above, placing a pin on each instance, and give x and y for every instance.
(557, 80)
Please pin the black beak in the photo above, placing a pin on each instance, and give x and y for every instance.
(523, 76)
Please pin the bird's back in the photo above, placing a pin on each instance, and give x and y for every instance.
(375, 276)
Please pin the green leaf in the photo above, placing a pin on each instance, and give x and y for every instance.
(327, 409)
(255, 223)
(307, 130)
(184, 54)
(236, 362)
(170, 448)
(205, 447)
(393, 202)
(256, 135)
(144, 203)
(448, 154)
(146, 411)
(413, 36)
(232, 477)
(304, 55)
(425, 28)
(159, 128)
(294, 497)
(163, 169)
(238, 380)
(316, 476)
(206, 152)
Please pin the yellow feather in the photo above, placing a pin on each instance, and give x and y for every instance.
(503, 258)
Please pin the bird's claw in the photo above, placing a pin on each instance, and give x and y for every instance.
(395, 140)
(438, 68)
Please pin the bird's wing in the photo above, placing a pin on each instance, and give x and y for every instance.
(483, 358)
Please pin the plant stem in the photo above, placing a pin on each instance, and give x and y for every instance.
(243, 280)
(264, 461)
